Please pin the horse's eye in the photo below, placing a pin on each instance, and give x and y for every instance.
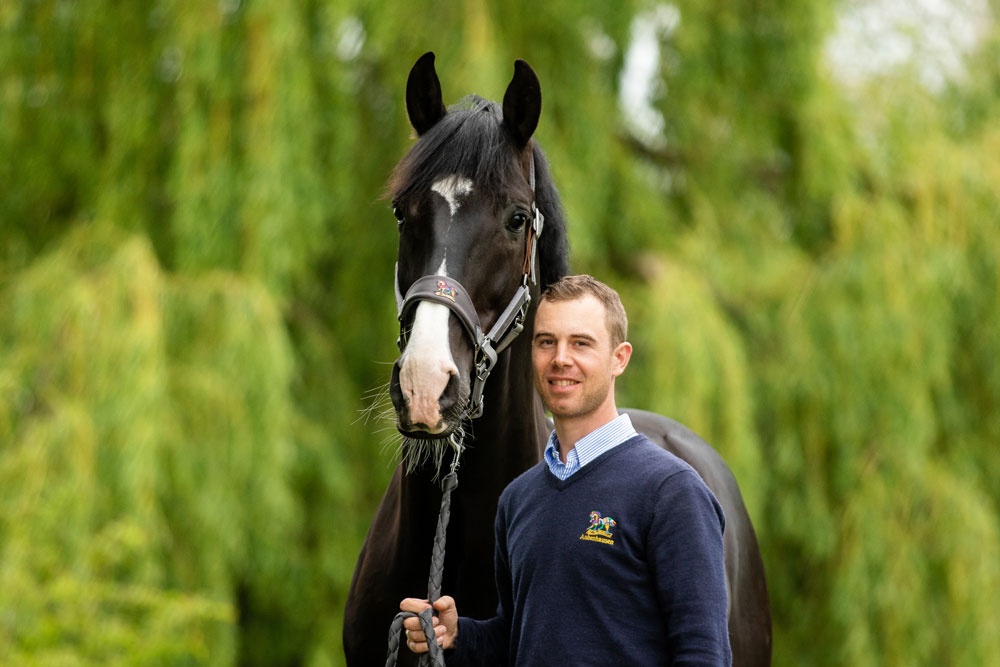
(400, 216)
(518, 221)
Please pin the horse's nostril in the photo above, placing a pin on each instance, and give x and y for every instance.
(395, 390)
(449, 397)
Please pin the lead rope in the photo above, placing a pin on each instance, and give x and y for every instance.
(435, 655)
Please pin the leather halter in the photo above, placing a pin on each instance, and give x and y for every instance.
(452, 294)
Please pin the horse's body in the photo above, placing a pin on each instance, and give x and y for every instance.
(465, 197)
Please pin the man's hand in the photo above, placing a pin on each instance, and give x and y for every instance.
(445, 623)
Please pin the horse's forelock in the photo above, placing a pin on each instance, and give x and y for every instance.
(468, 141)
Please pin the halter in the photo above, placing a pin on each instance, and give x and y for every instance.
(452, 294)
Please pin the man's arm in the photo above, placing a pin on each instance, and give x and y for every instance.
(483, 642)
(687, 562)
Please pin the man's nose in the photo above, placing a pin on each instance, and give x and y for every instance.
(561, 356)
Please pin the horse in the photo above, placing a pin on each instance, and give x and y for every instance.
(482, 232)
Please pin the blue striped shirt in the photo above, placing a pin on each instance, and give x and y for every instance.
(589, 447)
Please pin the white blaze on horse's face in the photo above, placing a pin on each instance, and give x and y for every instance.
(451, 188)
(427, 364)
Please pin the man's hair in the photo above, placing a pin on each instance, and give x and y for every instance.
(576, 287)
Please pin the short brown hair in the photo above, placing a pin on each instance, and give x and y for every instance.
(575, 287)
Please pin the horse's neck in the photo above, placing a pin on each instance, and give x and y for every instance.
(510, 432)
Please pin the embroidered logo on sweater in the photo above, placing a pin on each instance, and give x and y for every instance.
(600, 530)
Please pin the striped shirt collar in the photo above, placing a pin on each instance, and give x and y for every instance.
(589, 447)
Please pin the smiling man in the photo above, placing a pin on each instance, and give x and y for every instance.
(609, 551)
(578, 350)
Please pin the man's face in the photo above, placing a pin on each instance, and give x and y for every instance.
(574, 363)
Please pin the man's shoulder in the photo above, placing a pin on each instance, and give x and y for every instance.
(649, 458)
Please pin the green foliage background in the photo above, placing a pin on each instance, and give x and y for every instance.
(195, 308)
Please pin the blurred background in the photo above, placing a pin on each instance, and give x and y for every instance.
(798, 201)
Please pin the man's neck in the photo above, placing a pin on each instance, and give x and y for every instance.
(570, 431)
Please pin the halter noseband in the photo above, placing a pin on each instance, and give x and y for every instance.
(452, 294)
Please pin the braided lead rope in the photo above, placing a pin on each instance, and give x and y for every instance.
(435, 654)
(427, 625)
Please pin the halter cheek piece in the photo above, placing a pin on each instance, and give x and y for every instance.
(450, 293)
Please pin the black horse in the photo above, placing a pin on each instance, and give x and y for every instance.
(481, 232)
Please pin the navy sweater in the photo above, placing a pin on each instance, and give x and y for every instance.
(620, 564)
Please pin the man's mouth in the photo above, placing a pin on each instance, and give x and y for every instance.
(563, 383)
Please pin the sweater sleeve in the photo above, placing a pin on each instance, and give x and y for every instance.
(479, 643)
(686, 559)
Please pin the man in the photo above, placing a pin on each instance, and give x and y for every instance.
(609, 551)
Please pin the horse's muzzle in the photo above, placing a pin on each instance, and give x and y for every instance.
(449, 409)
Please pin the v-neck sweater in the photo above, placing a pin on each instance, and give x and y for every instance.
(619, 564)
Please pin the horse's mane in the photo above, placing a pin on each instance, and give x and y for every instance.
(470, 141)
(553, 247)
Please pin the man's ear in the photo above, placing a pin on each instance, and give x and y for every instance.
(622, 355)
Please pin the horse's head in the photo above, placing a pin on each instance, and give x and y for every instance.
(466, 198)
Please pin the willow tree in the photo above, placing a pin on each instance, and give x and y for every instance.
(837, 268)
(174, 477)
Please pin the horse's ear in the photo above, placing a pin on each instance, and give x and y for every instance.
(423, 95)
(522, 103)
